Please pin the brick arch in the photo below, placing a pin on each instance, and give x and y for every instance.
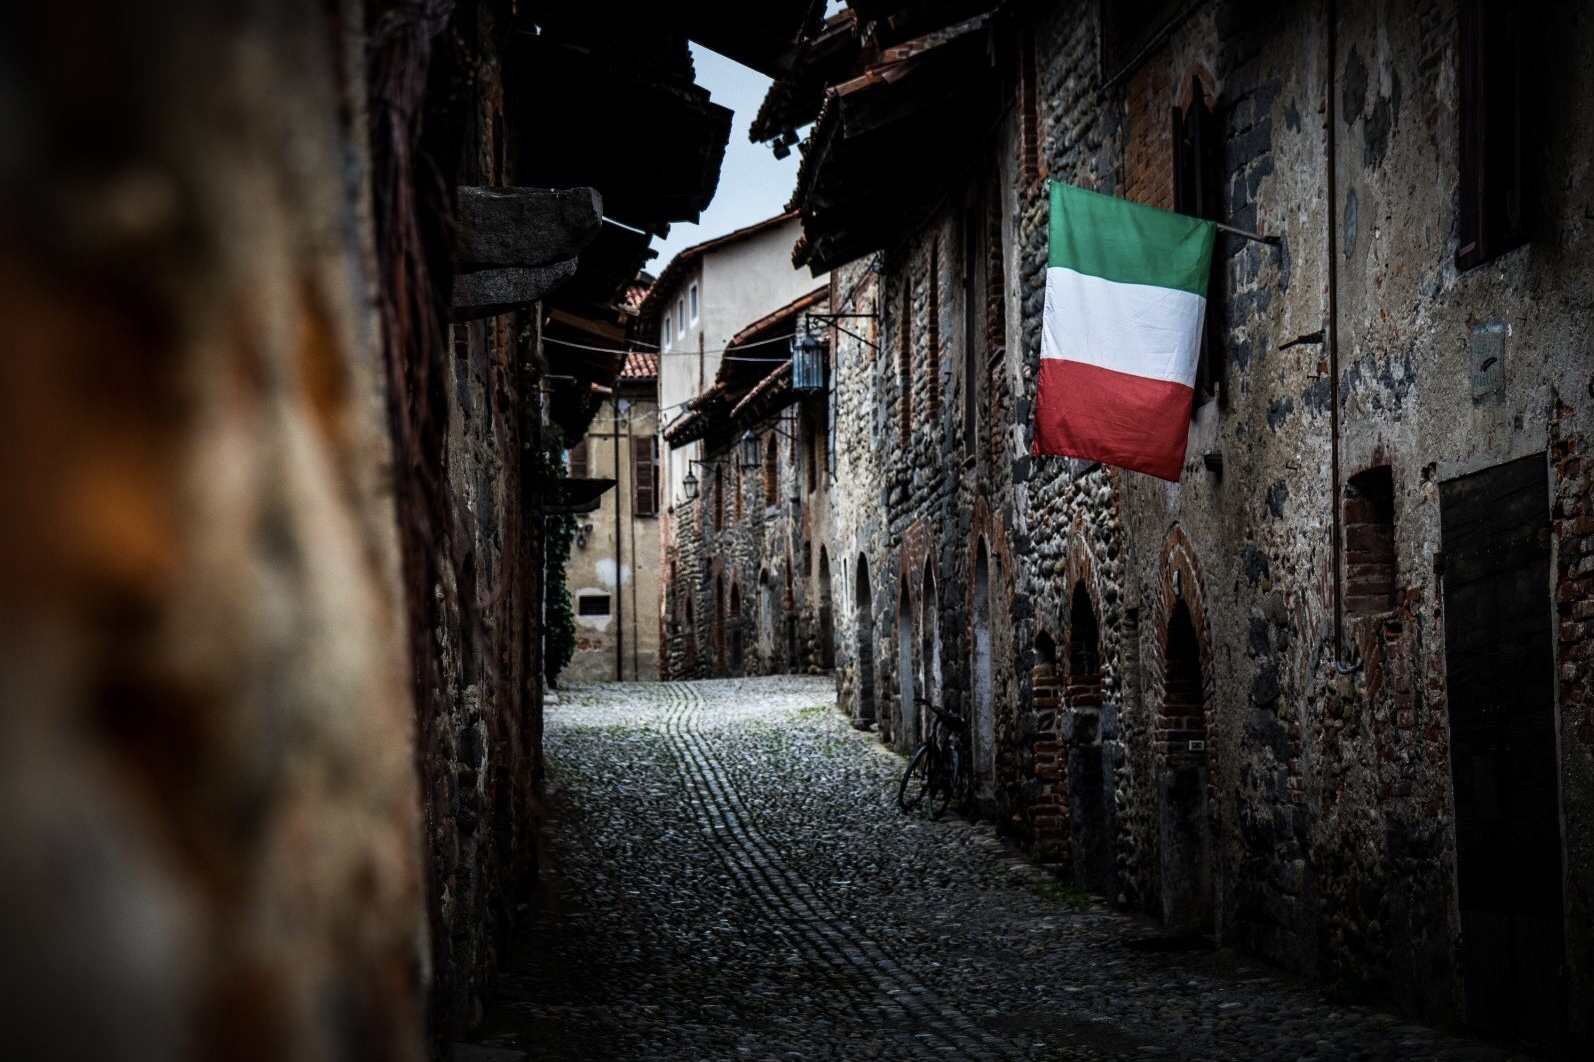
(1189, 857)
(1079, 572)
(1179, 579)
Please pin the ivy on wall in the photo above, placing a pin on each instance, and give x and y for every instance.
(559, 620)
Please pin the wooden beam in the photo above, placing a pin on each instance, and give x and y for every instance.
(588, 324)
(490, 292)
(526, 226)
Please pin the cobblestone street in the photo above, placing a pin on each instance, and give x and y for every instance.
(727, 877)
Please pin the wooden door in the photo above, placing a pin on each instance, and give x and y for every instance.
(1500, 666)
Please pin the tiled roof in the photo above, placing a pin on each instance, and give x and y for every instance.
(640, 366)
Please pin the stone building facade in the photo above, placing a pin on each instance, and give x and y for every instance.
(613, 570)
(1254, 703)
(747, 571)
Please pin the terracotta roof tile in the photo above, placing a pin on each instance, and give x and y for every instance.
(640, 366)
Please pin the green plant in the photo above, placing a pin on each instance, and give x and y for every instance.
(559, 532)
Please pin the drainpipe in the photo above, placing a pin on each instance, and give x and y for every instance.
(1332, 330)
(619, 538)
(636, 618)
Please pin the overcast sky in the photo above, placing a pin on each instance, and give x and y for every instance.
(754, 184)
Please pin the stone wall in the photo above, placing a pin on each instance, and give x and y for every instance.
(1300, 804)
(209, 804)
(753, 583)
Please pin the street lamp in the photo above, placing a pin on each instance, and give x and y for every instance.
(689, 484)
(752, 450)
(807, 364)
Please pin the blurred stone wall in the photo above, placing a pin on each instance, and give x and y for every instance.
(207, 788)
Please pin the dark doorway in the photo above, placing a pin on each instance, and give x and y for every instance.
(863, 622)
(691, 641)
(981, 678)
(789, 602)
(1500, 668)
(1182, 787)
(1089, 785)
(827, 615)
(735, 629)
(930, 651)
(718, 619)
(907, 731)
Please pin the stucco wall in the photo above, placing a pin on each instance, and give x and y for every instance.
(620, 558)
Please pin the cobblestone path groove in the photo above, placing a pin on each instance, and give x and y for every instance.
(830, 937)
(727, 877)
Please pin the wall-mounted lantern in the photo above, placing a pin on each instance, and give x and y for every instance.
(752, 450)
(689, 483)
(807, 364)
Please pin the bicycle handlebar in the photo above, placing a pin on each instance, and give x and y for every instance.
(949, 718)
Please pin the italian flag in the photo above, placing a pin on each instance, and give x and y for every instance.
(1126, 292)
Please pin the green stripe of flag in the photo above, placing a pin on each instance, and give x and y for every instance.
(1126, 242)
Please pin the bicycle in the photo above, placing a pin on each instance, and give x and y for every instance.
(936, 767)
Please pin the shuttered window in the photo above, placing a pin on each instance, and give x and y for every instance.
(644, 475)
(578, 460)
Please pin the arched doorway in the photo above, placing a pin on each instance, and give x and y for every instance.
(863, 624)
(766, 622)
(827, 615)
(691, 641)
(717, 621)
(1182, 786)
(981, 679)
(789, 610)
(735, 629)
(1088, 784)
(907, 712)
(930, 647)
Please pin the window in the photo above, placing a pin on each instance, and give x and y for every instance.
(644, 475)
(971, 353)
(811, 448)
(905, 367)
(691, 294)
(664, 342)
(592, 605)
(1197, 191)
(740, 491)
(578, 460)
(1492, 117)
(719, 499)
(772, 471)
(1031, 169)
(1370, 541)
(680, 317)
(933, 338)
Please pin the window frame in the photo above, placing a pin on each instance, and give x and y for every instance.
(1492, 114)
(693, 300)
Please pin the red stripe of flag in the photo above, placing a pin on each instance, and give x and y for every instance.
(1112, 417)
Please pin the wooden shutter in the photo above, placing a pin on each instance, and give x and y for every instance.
(644, 475)
(578, 460)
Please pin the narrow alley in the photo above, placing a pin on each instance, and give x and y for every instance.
(728, 877)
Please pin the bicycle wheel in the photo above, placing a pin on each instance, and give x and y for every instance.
(949, 780)
(915, 780)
